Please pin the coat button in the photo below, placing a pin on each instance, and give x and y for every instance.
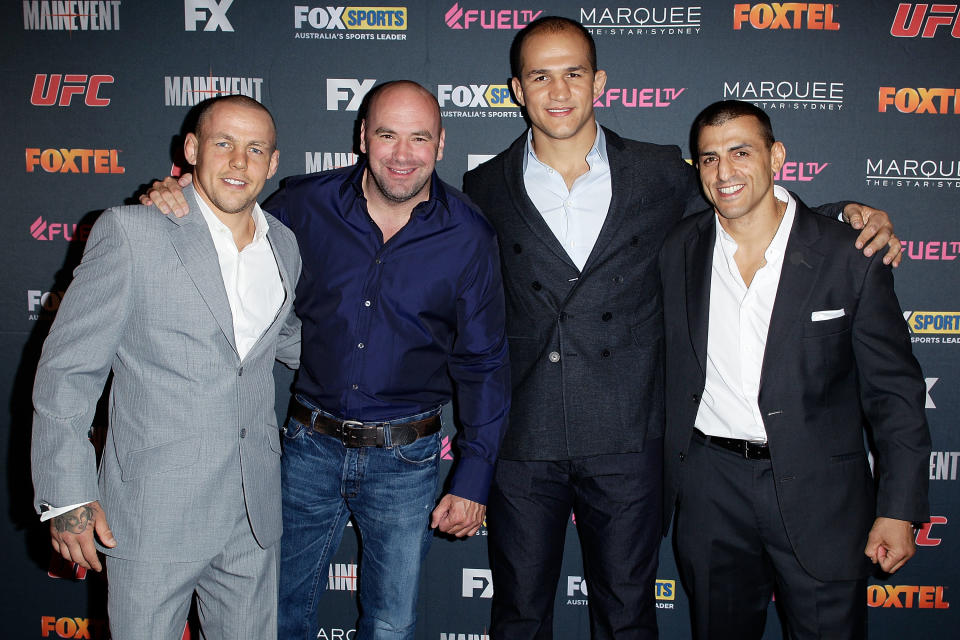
(563, 316)
(682, 456)
(617, 279)
(695, 398)
(553, 357)
(606, 316)
(517, 248)
(240, 371)
(605, 353)
(536, 285)
(243, 433)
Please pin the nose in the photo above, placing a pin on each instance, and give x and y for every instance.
(238, 159)
(724, 169)
(559, 89)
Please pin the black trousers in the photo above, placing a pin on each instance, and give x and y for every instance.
(616, 500)
(733, 554)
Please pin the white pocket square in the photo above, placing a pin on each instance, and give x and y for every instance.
(828, 314)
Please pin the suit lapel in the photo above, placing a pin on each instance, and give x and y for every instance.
(623, 178)
(698, 263)
(513, 176)
(798, 278)
(193, 244)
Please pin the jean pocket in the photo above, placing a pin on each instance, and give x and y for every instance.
(293, 429)
(421, 452)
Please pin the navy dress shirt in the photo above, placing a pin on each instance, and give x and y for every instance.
(391, 329)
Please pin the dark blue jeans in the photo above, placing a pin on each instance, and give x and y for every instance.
(389, 492)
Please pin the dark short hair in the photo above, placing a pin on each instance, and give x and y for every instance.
(551, 24)
(203, 111)
(719, 113)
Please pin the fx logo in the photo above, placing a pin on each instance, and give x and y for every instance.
(340, 89)
(474, 579)
(930, 382)
(60, 89)
(924, 539)
(196, 10)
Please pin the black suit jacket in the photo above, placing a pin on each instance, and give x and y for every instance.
(821, 384)
(586, 348)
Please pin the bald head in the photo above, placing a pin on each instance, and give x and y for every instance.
(407, 92)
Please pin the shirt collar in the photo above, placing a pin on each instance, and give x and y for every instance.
(355, 181)
(597, 153)
(778, 245)
(260, 226)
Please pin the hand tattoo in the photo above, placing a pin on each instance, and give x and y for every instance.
(75, 521)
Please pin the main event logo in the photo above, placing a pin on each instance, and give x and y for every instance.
(326, 160)
(476, 101)
(74, 160)
(787, 94)
(73, 15)
(186, 91)
(920, 100)
(944, 465)
(59, 89)
(906, 597)
(786, 15)
(924, 24)
(329, 23)
(914, 173)
(499, 19)
(641, 21)
(638, 98)
(342, 577)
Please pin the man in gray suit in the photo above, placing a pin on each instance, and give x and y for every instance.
(189, 313)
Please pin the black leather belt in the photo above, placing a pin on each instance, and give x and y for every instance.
(353, 433)
(745, 448)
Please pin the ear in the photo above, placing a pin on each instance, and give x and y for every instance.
(517, 90)
(599, 82)
(274, 163)
(778, 154)
(363, 136)
(443, 135)
(190, 145)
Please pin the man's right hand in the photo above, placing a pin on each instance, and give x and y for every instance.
(72, 534)
(168, 195)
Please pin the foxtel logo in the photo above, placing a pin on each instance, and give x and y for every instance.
(785, 15)
(90, 629)
(920, 100)
(42, 230)
(74, 160)
(906, 597)
(60, 89)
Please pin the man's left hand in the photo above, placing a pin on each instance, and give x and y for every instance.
(876, 232)
(890, 543)
(458, 516)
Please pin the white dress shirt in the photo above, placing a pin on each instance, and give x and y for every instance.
(737, 335)
(252, 280)
(576, 215)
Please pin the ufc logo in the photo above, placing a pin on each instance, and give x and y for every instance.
(195, 10)
(923, 533)
(60, 89)
(354, 91)
(923, 24)
(474, 579)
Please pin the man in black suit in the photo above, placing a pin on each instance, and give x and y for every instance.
(783, 344)
(581, 213)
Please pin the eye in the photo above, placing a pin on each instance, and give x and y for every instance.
(708, 160)
(539, 78)
(223, 145)
(574, 74)
(741, 154)
(256, 151)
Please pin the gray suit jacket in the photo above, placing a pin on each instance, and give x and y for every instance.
(193, 438)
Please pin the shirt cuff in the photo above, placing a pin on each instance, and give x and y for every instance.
(53, 512)
(471, 480)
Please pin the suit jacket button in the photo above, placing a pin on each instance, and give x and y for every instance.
(617, 279)
(517, 248)
(682, 456)
(563, 316)
(695, 398)
(553, 357)
(605, 353)
(240, 371)
(243, 433)
(606, 316)
(536, 285)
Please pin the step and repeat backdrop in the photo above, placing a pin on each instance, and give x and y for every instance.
(865, 96)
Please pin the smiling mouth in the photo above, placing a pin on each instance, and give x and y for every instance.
(728, 191)
(402, 172)
(235, 182)
(560, 111)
